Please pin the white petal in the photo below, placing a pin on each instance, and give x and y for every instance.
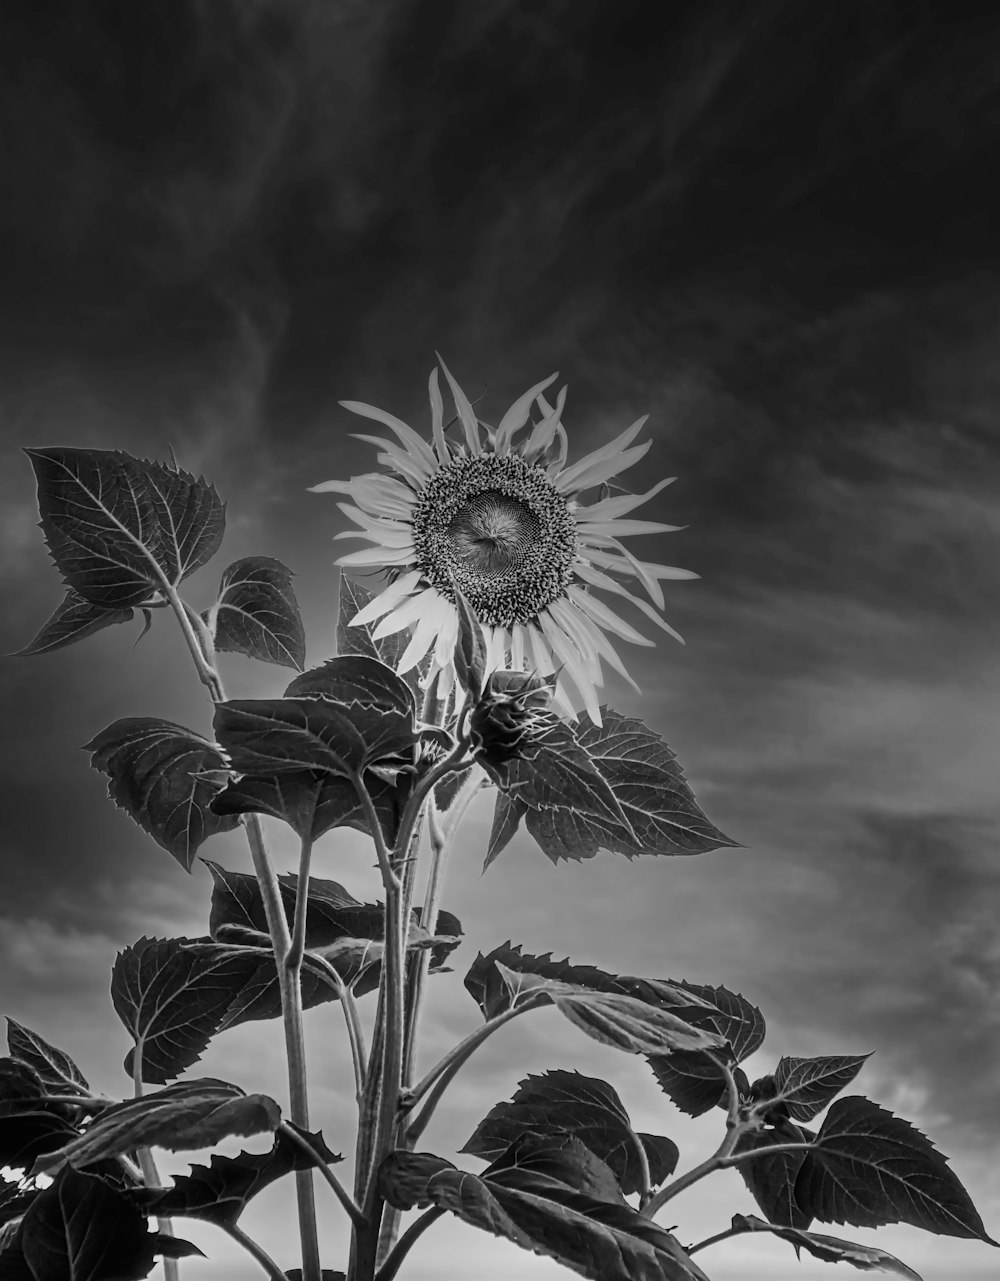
(601, 470)
(515, 417)
(465, 411)
(603, 616)
(624, 528)
(417, 449)
(612, 508)
(379, 556)
(422, 639)
(580, 668)
(406, 613)
(437, 418)
(517, 647)
(607, 452)
(387, 599)
(543, 432)
(398, 459)
(604, 581)
(571, 617)
(541, 655)
(444, 649)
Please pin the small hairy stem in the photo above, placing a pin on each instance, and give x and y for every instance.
(401, 1249)
(341, 1193)
(772, 1149)
(355, 1032)
(150, 1174)
(198, 642)
(297, 943)
(258, 1252)
(645, 1179)
(719, 1236)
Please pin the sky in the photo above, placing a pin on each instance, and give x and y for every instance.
(769, 226)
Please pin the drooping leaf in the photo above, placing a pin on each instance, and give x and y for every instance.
(74, 620)
(549, 1195)
(693, 1081)
(188, 1114)
(164, 777)
(24, 1135)
(355, 679)
(625, 1022)
(257, 613)
(470, 648)
(312, 803)
(285, 736)
(507, 814)
(175, 1247)
(806, 1086)
(21, 1088)
(172, 1000)
(642, 773)
(561, 1101)
(256, 988)
(55, 1069)
(219, 1192)
(869, 1167)
(120, 528)
(771, 1180)
(14, 1200)
(83, 1229)
(866, 1258)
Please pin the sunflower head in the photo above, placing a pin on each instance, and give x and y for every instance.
(502, 519)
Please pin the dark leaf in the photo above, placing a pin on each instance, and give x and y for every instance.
(286, 736)
(312, 803)
(355, 679)
(869, 1167)
(175, 1247)
(83, 1229)
(120, 528)
(172, 999)
(771, 1180)
(189, 1114)
(74, 620)
(866, 1258)
(26, 1135)
(806, 1086)
(13, 1265)
(507, 815)
(21, 1088)
(327, 1274)
(470, 648)
(693, 1081)
(14, 1200)
(561, 1101)
(219, 1192)
(551, 1196)
(54, 1068)
(164, 777)
(257, 613)
(648, 785)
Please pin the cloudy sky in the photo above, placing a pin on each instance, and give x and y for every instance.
(770, 226)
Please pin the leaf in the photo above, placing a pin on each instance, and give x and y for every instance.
(172, 1000)
(219, 1192)
(693, 1081)
(175, 1247)
(74, 620)
(313, 803)
(545, 1195)
(561, 1101)
(120, 528)
(354, 596)
(83, 1229)
(661, 813)
(866, 1258)
(257, 613)
(355, 679)
(189, 1114)
(806, 1086)
(493, 995)
(771, 1180)
(285, 736)
(26, 1135)
(869, 1167)
(164, 777)
(470, 648)
(55, 1069)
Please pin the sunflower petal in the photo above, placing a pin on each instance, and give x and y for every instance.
(387, 599)
(624, 528)
(575, 664)
(378, 556)
(437, 418)
(406, 613)
(601, 470)
(574, 620)
(422, 639)
(394, 456)
(444, 648)
(613, 450)
(607, 583)
(466, 413)
(610, 621)
(417, 448)
(515, 417)
(612, 508)
(543, 432)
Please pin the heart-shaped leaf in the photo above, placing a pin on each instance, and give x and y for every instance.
(568, 1102)
(806, 1086)
(771, 1180)
(865, 1258)
(219, 1192)
(164, 777)
(656, 810)
(74, 620)
(695, 1082)
(189, 1114)
(355, 679)
(552, 1196)
(172, 999)
(83, 1229)
(257, 613)
(869, 1167)
(120, 528)
(55, 1069)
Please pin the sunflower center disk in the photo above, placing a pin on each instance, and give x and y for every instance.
(497, 527)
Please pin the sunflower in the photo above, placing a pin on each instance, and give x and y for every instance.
(500, 514)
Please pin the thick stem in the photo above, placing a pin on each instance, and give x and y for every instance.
(257, 1251)
(341, 1193)
(355, 1032)
(150, 1174)
(645, 1178)
(719, 1236)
